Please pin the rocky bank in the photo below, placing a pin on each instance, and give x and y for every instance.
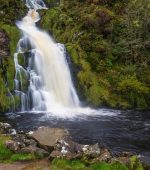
(54, 143)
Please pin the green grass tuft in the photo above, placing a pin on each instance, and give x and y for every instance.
(61, 164)
(4, 152)
(22, 157)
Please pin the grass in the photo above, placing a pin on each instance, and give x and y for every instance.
(5, 153)
(61, 164)
(22, 157)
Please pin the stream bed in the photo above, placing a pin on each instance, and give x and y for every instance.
(118, 131)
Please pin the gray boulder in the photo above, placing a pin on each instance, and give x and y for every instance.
(13, 145)
(71, 150)
(33, 149)
(5, 128)
(47, 137)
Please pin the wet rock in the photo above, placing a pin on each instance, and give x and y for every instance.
(55, 154)
(12, 131)
(145, 160)
(5, 128)
(24, 140)
(122, 160)
(71, 150)
(4, 47)
(47, 137)
(67, 144)
(67, 155)
(91, 151)
(19, 138)
(13, 145)
(30, 142)
(105, 155)
(125, 154)
(35, 150)
(67, 148)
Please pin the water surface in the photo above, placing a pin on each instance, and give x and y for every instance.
(119, 131)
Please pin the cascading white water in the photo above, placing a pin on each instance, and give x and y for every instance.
(47, 73)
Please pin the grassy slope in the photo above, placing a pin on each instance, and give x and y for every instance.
(109, 45)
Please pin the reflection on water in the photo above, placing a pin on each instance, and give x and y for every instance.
(127, 131)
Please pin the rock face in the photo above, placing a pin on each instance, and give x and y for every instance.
(4, 53)
(47, 137)
(4, 47)
(145, 161)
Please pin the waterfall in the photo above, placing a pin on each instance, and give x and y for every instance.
(43, 82)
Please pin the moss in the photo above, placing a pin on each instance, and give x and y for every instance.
(8, 63)
(135, 164)
(4, 152)
(5, 100)
(22, 157)
(13, 34)
(10, 12)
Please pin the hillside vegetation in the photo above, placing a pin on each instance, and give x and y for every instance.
(109, 44)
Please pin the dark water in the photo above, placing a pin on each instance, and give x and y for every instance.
(127, 131)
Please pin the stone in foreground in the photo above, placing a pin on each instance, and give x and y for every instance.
(47, 137)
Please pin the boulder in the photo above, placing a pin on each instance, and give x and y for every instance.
(105, 155)
(67, 148)
(33, 149)
(68, 145)
(71, 150)
(5, 128)
(13, 145)
(22, 138)
(47, 137)
(145, 160)
(91, 151)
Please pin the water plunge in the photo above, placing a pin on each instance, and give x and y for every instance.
(46, 73)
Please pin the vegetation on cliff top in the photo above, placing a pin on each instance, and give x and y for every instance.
(109, 43)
